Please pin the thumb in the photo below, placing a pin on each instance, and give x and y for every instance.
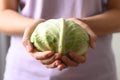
(28, 45)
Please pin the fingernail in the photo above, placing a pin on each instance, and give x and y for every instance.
(49, 53)
(58, 56)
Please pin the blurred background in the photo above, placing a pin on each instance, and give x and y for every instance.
(4, 44)
(116, 48)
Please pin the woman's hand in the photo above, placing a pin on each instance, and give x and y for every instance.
(48, 58)
(27, 33)
(72, 59)
(91, 34)
(51, 59)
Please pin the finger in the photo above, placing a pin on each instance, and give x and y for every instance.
(28, 46)
(68, 62)
(28, 32)
(92, 35)
(51, 59)
(42, 55)
(48, 61)
(83, 59)
(77, 58)
(61, 66)
(58, 56)
(53, 65)
(92, 40)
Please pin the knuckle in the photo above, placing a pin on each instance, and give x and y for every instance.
(43, 56)
(57, 62)
(48, 61)
(51, 66)
(36, 57)
(43, 62)
(46, 56)
(24, 42)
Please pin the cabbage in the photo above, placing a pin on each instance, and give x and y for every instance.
(60, 36)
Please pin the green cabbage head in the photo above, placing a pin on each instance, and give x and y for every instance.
(60, 36)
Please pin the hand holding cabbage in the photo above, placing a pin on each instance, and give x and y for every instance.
(50, 59)
(60, 36)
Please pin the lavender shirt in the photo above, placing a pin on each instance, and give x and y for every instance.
(100, 64)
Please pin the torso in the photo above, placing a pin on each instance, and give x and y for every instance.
(100, 61)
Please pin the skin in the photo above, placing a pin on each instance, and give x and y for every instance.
(24, 26)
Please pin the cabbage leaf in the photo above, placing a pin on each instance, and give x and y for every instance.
(60, 36)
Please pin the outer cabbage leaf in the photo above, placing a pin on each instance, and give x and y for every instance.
(60, 36)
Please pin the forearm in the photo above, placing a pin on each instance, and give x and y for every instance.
(105, 23)
(12, 23)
